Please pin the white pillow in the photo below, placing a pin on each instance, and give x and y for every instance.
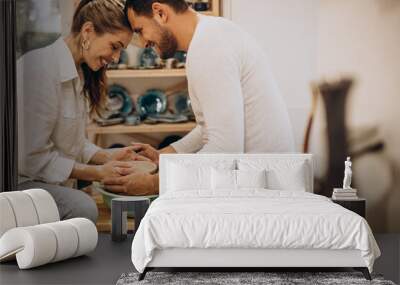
(282, 174)
(223, 179)
(251, 178)
(193, 175)
(184, 178)
(237, 179)
(292, 179)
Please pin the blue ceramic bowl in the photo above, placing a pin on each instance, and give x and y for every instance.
(153, 102)
(182, 104)
(118, 91)
(148, 58)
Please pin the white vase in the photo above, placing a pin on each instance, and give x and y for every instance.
(134, 55)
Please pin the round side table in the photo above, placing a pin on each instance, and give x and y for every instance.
(119, 215)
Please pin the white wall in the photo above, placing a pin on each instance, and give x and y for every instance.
(362, 38)
(313, 39)
(287, 31)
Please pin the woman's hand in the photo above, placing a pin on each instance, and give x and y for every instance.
(147, 151)
(113, 169)
(99, 172)
(120, 154)
(136, 184)
(126, 154)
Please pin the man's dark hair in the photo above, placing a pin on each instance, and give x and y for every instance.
(144, 7)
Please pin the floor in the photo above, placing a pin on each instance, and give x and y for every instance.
(389, 262)
(103, 266)
(110, 260)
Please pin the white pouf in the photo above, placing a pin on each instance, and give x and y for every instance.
(45, 205)
(7, 218)
(31, 232)
(22, 207)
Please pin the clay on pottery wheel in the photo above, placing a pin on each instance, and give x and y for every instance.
(144, 167)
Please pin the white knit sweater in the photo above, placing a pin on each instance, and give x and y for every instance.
(236, 102)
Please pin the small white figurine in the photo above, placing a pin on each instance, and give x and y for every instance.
(347, 174)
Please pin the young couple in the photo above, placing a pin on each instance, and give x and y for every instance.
(237, 105)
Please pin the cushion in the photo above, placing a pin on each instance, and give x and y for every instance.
(223, 179)
(282, 174)
(41, 244)
(183, 178)
(45, 206)
(6, 216)
(31, 232)
(184, 175)
(86, 228)
(67, 237)
(251, 178)
(27, 208)
(24, 211)
(236, 179)
(292, 179)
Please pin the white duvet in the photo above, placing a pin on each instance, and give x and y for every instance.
(250, 219)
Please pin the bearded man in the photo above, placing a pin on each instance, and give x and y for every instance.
(235, 99)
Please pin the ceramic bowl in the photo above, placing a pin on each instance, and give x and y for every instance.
(148, 58)
(118, 93)
(153, 102)
(182, 104)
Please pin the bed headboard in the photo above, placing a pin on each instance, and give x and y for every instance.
(210, 159)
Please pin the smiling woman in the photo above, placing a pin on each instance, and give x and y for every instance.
(99, 32)
(59, 85)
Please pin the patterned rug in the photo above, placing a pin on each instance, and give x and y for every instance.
(239, 278)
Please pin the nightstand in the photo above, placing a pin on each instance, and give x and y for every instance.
(358, 205)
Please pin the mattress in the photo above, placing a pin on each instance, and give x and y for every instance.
(250, 219)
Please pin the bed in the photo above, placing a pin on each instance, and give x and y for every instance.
(247, 211)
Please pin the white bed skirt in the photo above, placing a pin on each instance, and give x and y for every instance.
(256, 258)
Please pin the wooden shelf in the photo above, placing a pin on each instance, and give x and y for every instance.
(161, 73)
(94, 131)
(143, 128)
(146, 73)
(208, 13)
(215, 9)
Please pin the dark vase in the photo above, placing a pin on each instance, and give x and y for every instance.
(335, 97)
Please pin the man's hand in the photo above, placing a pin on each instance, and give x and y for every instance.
(135, 184)
(127, 154)
(148, 151)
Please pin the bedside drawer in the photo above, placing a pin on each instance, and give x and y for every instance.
(357, 206)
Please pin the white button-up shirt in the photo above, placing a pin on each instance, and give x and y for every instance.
(53, 113)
